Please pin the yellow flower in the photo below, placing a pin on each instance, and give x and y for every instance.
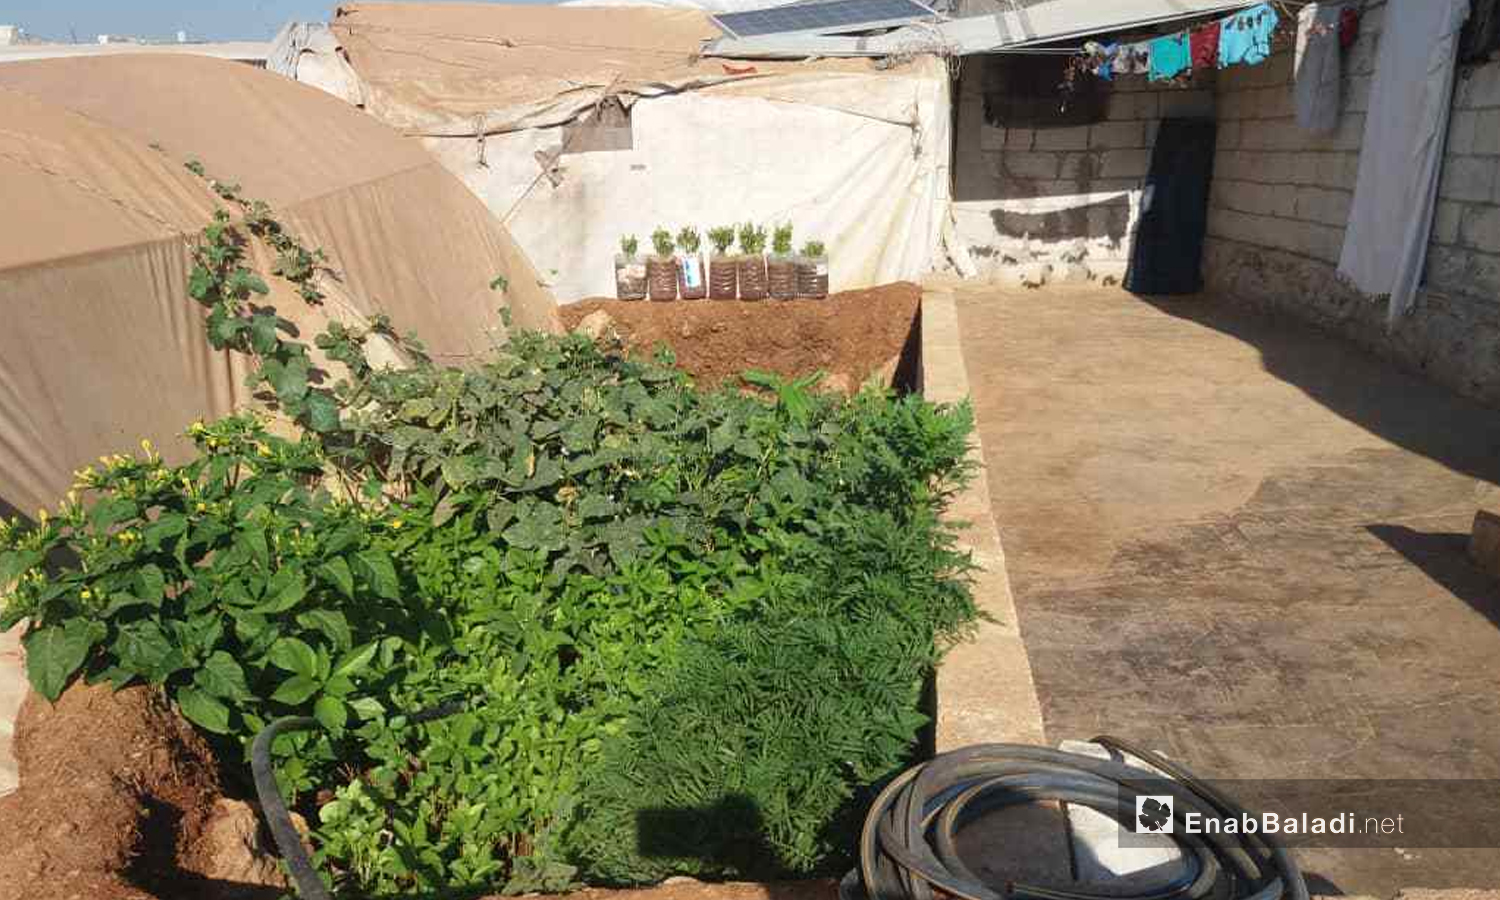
(87, 594)
(262, 449)
(397, 523)
(196, 428)
(146, 444)
(202, 507)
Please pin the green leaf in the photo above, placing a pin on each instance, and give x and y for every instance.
(203, 710)
(329, 622)
(54, 654)
(221, 676)
(322, 412)
(445, 509)
(167, 526)
(294, 655)
(295, 690)
(331, 712)
(151, 584)
(355, 661)
(143, 648)
(287, 588)
(263, 334)
(337, 571)
(366, 707)
(290, 379)
(379, 573)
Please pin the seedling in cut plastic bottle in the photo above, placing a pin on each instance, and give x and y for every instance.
(813, 248)
(721, 237)
(661, 239)
(629, 245)
(689, 239)
(781, 241)
(752, 239)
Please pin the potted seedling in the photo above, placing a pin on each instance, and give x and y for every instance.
(691, 283)
(723, 269)
(630, 273)
(812, 270)
(661, 269)
(781, 271)
(752, 262)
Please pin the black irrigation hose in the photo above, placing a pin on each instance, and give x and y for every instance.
(288, 841)
(937, 798)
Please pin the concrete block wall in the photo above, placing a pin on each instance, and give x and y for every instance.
(1280, 203)
(1053, 196)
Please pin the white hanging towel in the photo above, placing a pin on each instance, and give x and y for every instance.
(1390, 222)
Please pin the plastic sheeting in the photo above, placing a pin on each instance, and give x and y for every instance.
(851, 154)
(308, 52)
(102, 345)
(1390, 221)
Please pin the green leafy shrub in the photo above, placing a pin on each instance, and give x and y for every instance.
(661, 241)
(645, 607)
(721, 238)
(752, 239)
(781, 240)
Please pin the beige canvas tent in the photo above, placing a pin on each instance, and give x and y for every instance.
(101, 344)
(577, 125)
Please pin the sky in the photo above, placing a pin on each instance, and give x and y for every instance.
(212, 20)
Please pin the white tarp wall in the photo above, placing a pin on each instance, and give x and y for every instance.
(859, 161)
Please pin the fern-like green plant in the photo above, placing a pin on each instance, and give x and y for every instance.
(689, 239)
(629, 245)
(721, 237)
(814, 248)
(661, 239)
(781, 240)
(752, 239)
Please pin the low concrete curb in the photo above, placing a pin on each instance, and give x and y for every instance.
(985, 692)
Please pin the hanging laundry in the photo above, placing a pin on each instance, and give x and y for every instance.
(1101, 59)
(1349, 26)
(1133, 59)
(1205, 43)
(1245, 37)
(1317, 68)
(1390, 221)
(1170, 57)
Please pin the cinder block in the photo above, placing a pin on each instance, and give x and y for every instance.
(1487, 132)
(1480, 228)
(1284, 200)
(1110, 135)
(1479, 87)
(1326, 207)
(1083, 166)
(1073, 137)
(1134, 105)
(1305, 168)
(1228, 135)
(1469, 178)
(1029, 165)
(1445, 222)
(1187, 103)
(1124, 163)
(1462, 131)
(991, 138)
(1356, 93)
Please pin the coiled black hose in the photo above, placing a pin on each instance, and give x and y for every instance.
(907, 847)
(304, 876)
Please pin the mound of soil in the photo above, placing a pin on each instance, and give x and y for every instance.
(119, 798)
(851, 336)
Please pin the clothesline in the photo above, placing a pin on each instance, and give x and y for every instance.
(1241, 38)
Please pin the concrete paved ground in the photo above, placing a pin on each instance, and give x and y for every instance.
(1242, 543)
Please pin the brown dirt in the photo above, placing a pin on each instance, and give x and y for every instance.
(851, 335)
(691, 889)
(116, 796)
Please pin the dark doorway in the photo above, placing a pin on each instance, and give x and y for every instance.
(1168, 253)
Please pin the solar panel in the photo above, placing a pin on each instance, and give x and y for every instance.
(828, 17)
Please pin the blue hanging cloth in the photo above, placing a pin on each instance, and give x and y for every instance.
(1246, 36)
(1170, 56)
